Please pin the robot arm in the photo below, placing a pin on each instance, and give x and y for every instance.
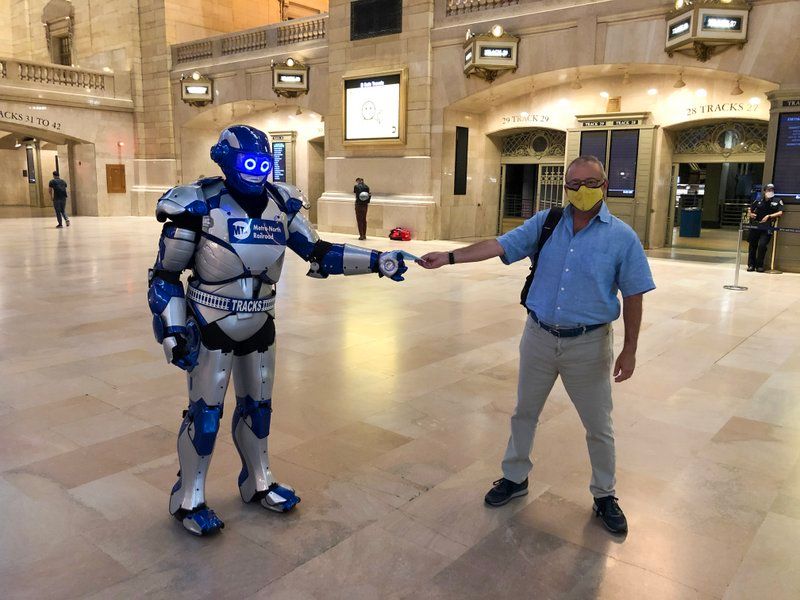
(340, 259)
(165, 294)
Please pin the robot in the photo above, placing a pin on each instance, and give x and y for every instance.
(232, 233)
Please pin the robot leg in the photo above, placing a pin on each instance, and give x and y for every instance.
(252, 377)
(207, 384)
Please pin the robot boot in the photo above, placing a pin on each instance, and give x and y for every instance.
(251, 421)
(198, 432)
(195, 446)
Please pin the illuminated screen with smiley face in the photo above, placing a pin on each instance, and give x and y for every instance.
(372, 108)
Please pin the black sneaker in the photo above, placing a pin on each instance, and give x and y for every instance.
(59, 226)
(759, 269)
(607, 508)
(504, 490)
(750, 269)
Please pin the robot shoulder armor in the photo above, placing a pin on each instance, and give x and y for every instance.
(291, 197)
(182, 200)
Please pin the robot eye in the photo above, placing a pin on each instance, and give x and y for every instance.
(265, 166)
(250, 164)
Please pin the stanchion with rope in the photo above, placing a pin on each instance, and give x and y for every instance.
(772, 270)
(736, 286)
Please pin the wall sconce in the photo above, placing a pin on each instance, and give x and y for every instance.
(289, 78)
(491, 54)
(696, 28)
(197, 89)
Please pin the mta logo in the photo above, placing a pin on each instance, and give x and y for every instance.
(241, 229)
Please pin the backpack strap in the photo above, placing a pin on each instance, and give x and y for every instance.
(553, 218)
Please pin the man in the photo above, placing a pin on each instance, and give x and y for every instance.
(760, 213)
(573, 300)
(361, 190)
(58, 195)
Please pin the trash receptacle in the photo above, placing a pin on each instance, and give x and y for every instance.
(691, 219)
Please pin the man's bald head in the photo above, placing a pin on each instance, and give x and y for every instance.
(586, 164)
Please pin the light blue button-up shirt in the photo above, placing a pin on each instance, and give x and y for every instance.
(579, 275)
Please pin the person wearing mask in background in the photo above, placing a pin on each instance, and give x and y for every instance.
(58, 194)
(571, 304)
(361, 190)
(761, 213)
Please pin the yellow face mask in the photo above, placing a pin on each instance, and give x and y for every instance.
(584, 198)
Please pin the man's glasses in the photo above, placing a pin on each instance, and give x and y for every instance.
(575, 184)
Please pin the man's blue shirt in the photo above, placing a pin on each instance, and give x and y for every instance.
(578, 276)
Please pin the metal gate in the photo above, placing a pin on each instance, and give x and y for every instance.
(514, 209)
(551, 182)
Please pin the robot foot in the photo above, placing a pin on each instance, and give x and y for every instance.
(278, 497)
(199, 521)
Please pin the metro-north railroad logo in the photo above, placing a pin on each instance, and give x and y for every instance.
(241, 229)
(256, 231)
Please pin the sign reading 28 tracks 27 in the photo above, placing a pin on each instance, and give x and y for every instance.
(372, 108)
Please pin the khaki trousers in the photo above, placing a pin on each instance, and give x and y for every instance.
(584, 363)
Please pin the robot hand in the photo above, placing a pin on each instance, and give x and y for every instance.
(392, 265)
(182, 348)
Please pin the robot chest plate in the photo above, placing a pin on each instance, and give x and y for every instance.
(259, 243)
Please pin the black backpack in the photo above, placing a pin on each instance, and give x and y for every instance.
(553, 217)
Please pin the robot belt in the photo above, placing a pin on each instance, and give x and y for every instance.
(242, 305)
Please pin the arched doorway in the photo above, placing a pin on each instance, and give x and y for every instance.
(28, 158)
(718, 169)
(531, 174)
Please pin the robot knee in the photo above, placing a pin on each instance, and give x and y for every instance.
(206, 425)
(257, 415)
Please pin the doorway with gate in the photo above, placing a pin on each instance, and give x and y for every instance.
(717, 172)
(531, 175)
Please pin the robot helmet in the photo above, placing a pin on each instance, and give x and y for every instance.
(245, 157)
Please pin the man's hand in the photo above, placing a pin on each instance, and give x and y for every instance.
(434, 260)
(765, 219)
(625, 365)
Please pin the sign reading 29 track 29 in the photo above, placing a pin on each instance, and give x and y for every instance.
(372, 108)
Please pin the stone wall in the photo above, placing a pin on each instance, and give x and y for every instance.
(398, 175)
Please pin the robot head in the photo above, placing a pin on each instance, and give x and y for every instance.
(245, 157)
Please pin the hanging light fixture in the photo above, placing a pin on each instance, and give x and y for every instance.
(626, 79)
(576, 85)
(679, 82)
(299, 111)
(737, 89)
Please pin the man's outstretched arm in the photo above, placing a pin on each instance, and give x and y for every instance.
(473, 253)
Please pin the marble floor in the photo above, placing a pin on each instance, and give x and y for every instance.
(391, 413)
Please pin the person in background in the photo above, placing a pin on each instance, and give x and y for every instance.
(760, 213)
(361, 190)
(58, 194)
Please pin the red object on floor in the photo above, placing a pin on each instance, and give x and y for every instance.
(400, 234)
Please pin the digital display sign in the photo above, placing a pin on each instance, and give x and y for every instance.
(722, 23)
(372, 108)
(490, 52)
(622, 162)
(787, 158)
(290, 78)
(680, 28)
(279, 156)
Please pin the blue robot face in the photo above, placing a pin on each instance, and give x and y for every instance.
(245, 157)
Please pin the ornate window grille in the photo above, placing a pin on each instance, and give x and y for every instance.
(537, 142)
(726, 139)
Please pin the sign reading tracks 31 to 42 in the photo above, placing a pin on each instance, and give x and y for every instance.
(34, 120)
